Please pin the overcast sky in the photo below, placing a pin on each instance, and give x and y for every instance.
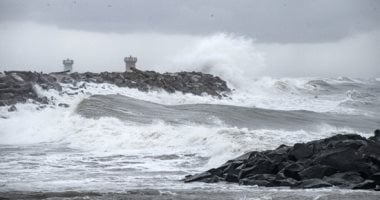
(280, 31)
(265, 20)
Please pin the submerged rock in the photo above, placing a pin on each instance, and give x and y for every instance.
(64, 105)
(12, 108)
(346, 161)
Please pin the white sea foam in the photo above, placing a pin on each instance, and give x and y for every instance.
(112, 136)
(266, 92)
(280, 94)
(61, 149)
(108, 154)
(42, 125)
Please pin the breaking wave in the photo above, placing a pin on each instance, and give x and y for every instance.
(234, 58)
(124, 138)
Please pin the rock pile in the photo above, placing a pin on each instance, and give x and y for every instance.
(346, 161)
(187, 82)
(18, 86)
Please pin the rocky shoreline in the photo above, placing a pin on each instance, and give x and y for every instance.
(345, 161)
(18, 86)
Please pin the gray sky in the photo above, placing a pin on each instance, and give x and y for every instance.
(255, 37)
(265, 20)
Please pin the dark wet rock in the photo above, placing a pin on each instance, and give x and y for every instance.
(18, 86)
(41, 107)
(198, 177)
(43, 100)
(280, 154)
(292, 171)
(376, 177)
(353, 177)
(186, 82)
(341, 158)
(300, 151)
(346, 161)
(212, 179)
(287, 182)
(231, 178)
(258, 179)
(317, 171)
(246, 181)
(233, 168)
(210, 176)
(257, 165)
(64, 105)
(367, 184)
(12, 108)
(312, 183)
(345, 179)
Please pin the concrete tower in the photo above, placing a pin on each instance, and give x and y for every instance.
(130, 63)
(68, 65)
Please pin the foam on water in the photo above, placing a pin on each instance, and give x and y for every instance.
(279, 94)
(112, 136)
(266, 92)
(55, 147)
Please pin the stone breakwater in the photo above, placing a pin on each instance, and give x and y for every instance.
(346, 161)
(18, 86)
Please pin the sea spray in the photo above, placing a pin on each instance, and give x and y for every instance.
(232, 57)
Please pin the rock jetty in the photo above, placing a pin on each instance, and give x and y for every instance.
(345, 161)
(18, 86)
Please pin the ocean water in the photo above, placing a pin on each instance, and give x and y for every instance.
(120, 142)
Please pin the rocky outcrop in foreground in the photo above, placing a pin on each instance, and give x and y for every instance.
(17, 86)
(346, 161)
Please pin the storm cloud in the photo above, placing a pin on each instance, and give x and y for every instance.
(229, 38)
(265, 20)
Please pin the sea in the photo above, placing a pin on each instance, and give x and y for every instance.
(121, 143)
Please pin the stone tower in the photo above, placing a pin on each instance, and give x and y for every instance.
(68, 65)
(130, 63)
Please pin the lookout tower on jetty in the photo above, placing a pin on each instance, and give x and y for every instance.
(130, 63)
(68, 65)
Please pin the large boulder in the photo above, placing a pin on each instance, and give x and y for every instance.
(344, 179)
(317, 171)
(300, 151)
(292, 171)
(346, 161)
